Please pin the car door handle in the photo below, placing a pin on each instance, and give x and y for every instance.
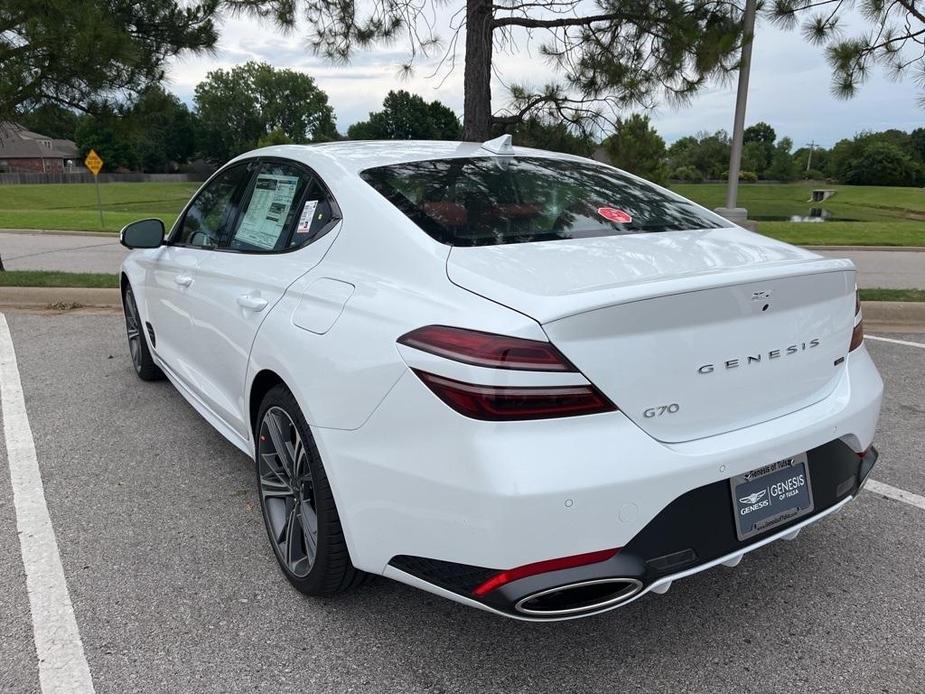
(183, 280)
(252, 303)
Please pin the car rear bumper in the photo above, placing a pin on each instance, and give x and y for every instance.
(420, 481)
(694, 533)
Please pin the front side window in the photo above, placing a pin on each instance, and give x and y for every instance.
(270, 209)
(214, 210)
(495, 200)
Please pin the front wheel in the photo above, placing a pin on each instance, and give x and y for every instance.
(297, 503)
(144, 364)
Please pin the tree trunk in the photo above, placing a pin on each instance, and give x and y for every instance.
(477, 75)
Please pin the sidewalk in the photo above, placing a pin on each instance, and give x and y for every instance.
(100, 252)
(67, 252)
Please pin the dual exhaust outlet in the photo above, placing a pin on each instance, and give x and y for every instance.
(580, 598)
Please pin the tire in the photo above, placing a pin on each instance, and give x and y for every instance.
(315, 563)
(144, 364)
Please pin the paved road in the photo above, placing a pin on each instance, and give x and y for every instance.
(67, 252)
(886, 269)
(175, 589)
(889, 269)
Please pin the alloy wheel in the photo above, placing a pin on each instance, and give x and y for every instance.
(287, 492)
(133, 329)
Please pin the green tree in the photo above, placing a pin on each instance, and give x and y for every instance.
(782, 167)
(759, 132)
(917, 142)
(163, 129)
(638, 148)
(883, 164)
(758, 150)
(894, 40)
(406, 116)
(604, 56)
(847, 154)
(77, 53)
(50, 119)
(274, 137)
(819, 163)
(756, 156)
(107, 132)
(238, 107)
(708, 153)
(545, 133)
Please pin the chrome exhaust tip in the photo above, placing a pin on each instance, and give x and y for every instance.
(584, 597)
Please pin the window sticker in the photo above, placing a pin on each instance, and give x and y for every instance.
(268, 210)
(307, 216)
(615, 215)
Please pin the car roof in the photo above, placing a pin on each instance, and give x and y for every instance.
(354, 156)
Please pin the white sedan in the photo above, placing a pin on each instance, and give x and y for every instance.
(521, 380)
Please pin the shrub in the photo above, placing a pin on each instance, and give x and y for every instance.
(688, 174)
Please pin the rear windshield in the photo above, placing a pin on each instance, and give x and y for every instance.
(493, 200)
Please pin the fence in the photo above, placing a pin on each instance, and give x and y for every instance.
(87, 177)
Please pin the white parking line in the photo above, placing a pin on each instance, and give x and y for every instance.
(896, 493)
(62, 664)
(895, 342)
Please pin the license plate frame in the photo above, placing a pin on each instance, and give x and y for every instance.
(771, 495)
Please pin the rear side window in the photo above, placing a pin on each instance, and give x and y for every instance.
(495, 200)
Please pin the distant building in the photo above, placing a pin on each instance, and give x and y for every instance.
(23, 151)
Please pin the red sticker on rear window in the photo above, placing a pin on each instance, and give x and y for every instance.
(614, 215)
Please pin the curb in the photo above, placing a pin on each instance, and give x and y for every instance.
(877, 314)
(43, 297)
(894, 315)
(879, 249)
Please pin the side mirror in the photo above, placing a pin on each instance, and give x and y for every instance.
(145, 233)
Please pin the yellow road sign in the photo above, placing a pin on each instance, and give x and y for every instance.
(93, 162)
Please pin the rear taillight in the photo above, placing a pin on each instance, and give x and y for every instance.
(857, 337)
(487, 349)
(504, 577)
(501, 403)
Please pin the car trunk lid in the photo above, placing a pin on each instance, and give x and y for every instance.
(691, 334)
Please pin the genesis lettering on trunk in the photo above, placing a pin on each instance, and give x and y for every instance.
(760, 357)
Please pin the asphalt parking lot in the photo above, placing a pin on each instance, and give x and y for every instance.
(174, 587)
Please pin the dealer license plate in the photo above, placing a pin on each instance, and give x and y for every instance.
(771, 496)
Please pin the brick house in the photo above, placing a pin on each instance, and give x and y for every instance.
(23, 151)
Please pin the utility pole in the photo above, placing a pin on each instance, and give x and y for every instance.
(809, 159)
(730, 211)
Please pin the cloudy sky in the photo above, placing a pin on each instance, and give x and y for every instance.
(789, 85)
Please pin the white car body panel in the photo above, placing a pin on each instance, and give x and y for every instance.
(637, 314)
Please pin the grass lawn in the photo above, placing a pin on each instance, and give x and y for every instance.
(42, 278)
(854, 203)
(887, 233)
(888, 216)
(73, 205)
(893, 295)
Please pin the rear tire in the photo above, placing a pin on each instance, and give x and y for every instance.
(144, 364)
(298, 506)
